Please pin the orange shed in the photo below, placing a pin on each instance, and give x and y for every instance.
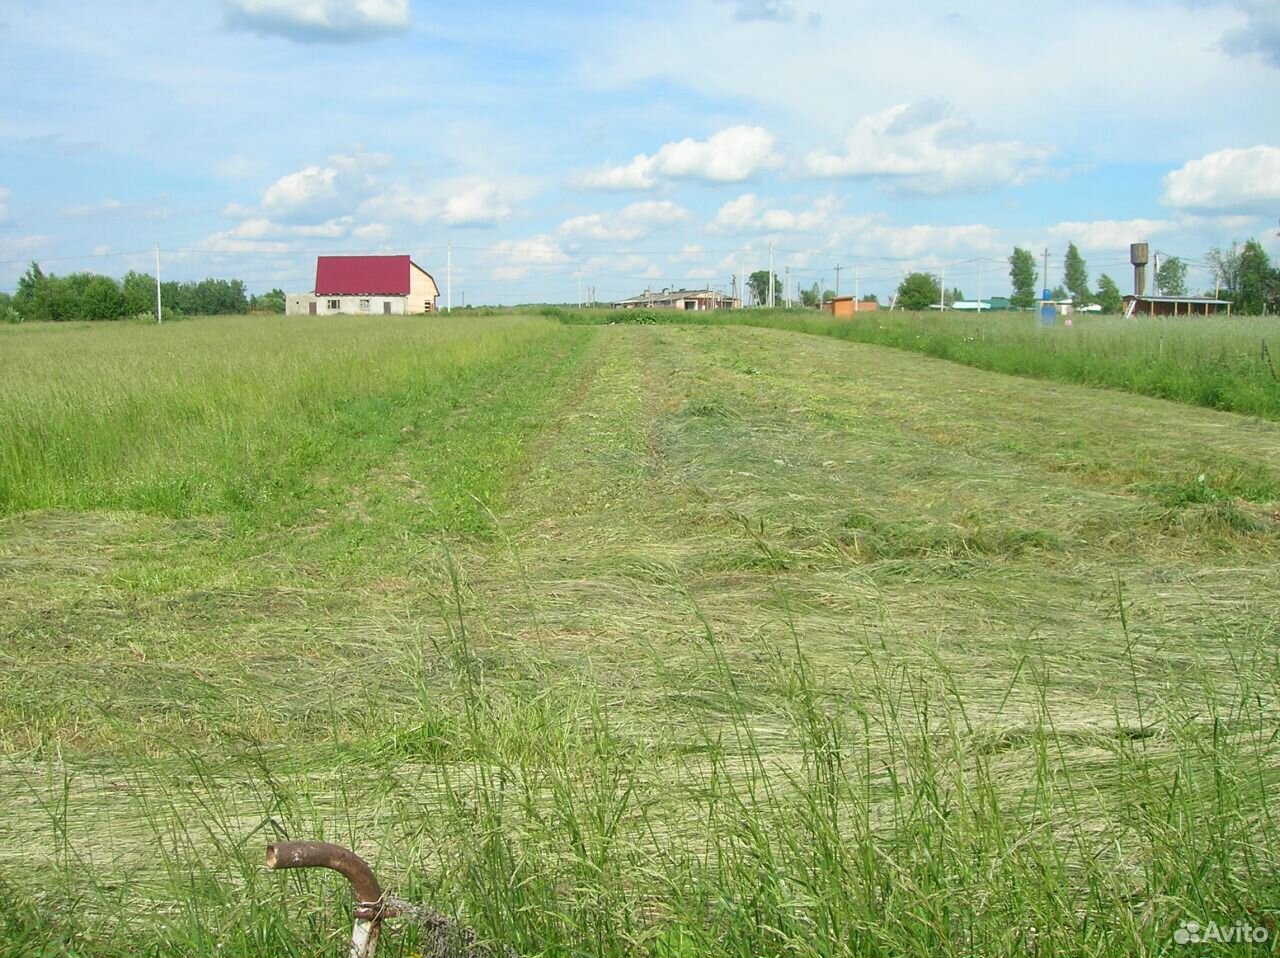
(843, 306)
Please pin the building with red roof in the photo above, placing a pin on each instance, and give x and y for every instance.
(377, 285)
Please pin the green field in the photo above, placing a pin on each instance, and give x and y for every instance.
(625, 640)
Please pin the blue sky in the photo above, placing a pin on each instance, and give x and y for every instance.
(634, 145)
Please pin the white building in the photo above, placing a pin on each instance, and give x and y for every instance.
(377, 285)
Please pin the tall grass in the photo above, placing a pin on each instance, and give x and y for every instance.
(1229, 364)
(236, 415)
(848, 817)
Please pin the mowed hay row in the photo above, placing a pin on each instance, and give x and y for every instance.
(1212, 361)
(748, 642)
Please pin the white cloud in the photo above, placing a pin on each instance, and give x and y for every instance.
(517, 258)
(319, 192)
(730, 156)
(320, 20)
(256, 229)
(331, 229)
(926, 148)
(460, 203)
(371, 231)
(481, 205)
(302, 190)
(248, 241)
(636, 175)
(1109, 234)
(632, 222)
(360, 163)
(690, 252)
(1229, 180)
(749, 213)
(1217, 224)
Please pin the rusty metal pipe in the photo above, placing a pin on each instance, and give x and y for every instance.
(370, 907)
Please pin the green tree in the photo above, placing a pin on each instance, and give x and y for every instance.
(758, 282)
(8, 313)
(871, 298)
(272, 302)
(1109, 297)
(100, 299)
(919, 291)
(1171, 277)
(952, 295)
(1076, 275)
(1059, 292)
(139, 291)
(1256, 279)
(1022, 275)
(1251, 293)
(31, 298)
(1225, 264)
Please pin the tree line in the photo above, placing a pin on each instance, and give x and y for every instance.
(1243, 275)
(91, 296)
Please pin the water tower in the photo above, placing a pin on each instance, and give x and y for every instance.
(1139, 256)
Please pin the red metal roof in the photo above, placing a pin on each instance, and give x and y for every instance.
(362, 276)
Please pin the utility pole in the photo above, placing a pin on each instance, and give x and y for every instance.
(159, 315)
(1155, 274)
(838, 268)
(979, 284)
(448, 280)
(786, 289)
(1045, 288)
(856, 291)
(942, 291)
(769, 297)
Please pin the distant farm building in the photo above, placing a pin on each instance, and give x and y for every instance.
(843, 306)
(980, 305)
(1175, 306)
(693, 300)
(382, 285)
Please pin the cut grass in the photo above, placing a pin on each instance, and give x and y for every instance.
(1211, 361)
(891, 657)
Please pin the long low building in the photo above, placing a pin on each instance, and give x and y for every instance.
(375, 285)
(694, 300)
(1175, 306)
